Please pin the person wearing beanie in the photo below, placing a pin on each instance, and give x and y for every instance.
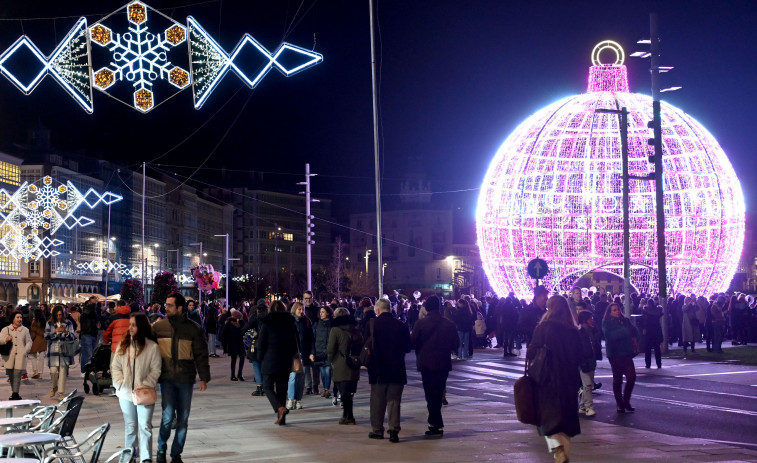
(433, 338)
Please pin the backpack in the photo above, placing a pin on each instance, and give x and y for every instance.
(354, 348)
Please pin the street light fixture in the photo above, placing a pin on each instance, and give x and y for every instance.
(367, 253)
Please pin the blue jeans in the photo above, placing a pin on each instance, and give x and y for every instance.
(138, 417)
(296, 386)
(325, 376)
(462, 351)
(176, 397)
(256, 370)
(88, 344)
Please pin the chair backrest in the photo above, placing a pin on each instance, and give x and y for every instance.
(122, 456)
(64, 402)
(99, 437)
(72, 415)
(56, 425)
(44, 415)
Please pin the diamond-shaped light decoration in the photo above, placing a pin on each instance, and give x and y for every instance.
(176, 34)
(100, 34)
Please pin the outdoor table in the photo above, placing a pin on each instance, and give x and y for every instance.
(19, 460)
(9, 405)
(35, 440)
(20, 422)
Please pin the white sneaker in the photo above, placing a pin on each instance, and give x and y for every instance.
(298, 405)
(590, 412)
(290, 404)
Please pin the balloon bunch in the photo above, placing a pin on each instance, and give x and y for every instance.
(206, 278)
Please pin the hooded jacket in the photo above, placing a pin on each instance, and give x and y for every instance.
(344, 333)
(119, 324)
(183, 350)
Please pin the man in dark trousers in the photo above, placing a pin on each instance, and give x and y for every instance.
(433, 338)
(386, 372)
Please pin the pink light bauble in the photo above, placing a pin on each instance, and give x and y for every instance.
(553, 190)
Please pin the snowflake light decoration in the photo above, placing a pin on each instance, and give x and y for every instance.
(42, 208)
(97, 266)
(140, 56)
(553, 190)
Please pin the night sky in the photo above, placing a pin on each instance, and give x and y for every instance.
(456, 77)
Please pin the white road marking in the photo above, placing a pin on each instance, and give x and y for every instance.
(714, 374)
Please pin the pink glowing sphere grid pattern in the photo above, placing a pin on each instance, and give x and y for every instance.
(553, 190)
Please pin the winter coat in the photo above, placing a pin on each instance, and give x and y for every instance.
(690, 324)
(558, 399)
(391, 341)
(652, 327)
(88, 320)
(464, 319)
(119, 325)
(433, 338)
(232, 338)
(344, 333)
(321, 331)
(146, 365)
(619, 333)
(305, 332)
(54, 356)
(22, 345)
(717, 315)
(37, 333)
(590, 343)
(183, 350)
(313, 312)
(529, 318)
(277, 343)
(211, 321)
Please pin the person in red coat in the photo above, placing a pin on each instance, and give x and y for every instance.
(119, 325)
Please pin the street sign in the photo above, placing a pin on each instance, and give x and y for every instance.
(537, 268)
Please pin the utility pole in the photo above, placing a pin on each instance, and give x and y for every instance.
(144, 188)
(309, 241)
(656, 141)
(107, 258)
(376, 161)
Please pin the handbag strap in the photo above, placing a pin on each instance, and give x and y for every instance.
(133, 369)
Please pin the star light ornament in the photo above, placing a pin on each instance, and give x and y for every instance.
(34, 212)
(553, 190)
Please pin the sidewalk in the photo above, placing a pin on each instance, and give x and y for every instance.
(228, 425)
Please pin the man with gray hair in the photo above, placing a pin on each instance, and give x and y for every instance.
(389, 340)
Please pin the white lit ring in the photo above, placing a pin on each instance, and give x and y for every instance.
(620, 56)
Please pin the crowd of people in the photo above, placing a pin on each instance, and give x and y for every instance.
(302, 347)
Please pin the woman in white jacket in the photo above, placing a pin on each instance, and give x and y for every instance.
(15, 361)
(136, 363)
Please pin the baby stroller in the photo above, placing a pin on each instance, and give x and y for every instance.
(97, 370)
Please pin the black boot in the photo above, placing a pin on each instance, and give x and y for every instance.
(258, 392)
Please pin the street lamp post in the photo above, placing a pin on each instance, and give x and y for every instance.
(367, 253)
(199, 291)
(227, 269)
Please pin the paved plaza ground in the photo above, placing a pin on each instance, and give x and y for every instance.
(228, 425)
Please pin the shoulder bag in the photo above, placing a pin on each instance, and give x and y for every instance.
(524, 395)
(70, 347)
(297, 359)
(141, 395)
(5, 349)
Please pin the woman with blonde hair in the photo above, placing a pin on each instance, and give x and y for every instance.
(137, 362)
(557, 387)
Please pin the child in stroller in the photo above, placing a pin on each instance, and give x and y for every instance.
(97, 370)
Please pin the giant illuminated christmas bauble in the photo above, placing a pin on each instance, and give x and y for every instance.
(553, 191)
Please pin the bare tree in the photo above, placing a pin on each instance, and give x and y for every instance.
(336, 269)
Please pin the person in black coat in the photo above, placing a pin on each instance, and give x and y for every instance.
(211, 330)
(652, 333)
(386, 371)
(232, 343)
(556, 389)
(305, 335)
(276, 346)
(433, 338)
(253, 323)
(319, 355)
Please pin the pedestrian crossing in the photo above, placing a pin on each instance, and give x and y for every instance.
(487, 377)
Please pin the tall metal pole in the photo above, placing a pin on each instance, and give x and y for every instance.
(626, 213)
(379, 260)
(308, 232)
(659, 178)
(107, 257)
(199, 292)
(144, 188)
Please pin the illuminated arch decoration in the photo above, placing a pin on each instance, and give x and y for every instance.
(145, 57)
(553, 190)
(35, 211)
(69, 65)
(210, 63)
